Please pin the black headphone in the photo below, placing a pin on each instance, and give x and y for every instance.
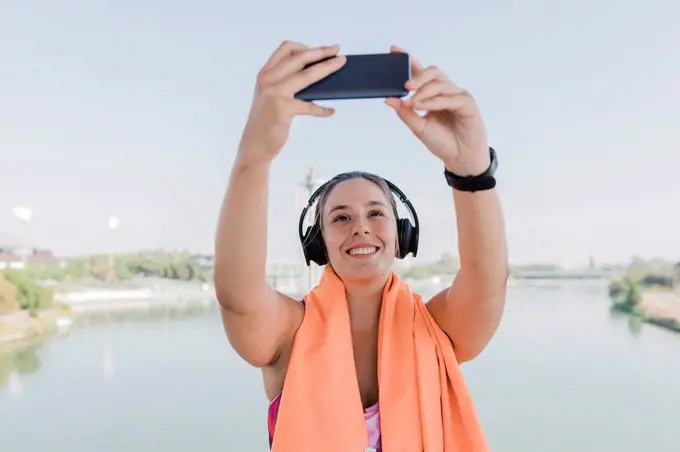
(312, 241)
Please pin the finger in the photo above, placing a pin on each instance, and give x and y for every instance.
(394, 48)
(296, 62)
(461, 104)
(303, 108)
(432, 89)
(413, 120)
(314, 73)
(416, 67)
(285, 49)
(426, 76)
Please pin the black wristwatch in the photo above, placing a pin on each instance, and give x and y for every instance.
(484, 181)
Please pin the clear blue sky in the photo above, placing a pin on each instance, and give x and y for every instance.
(135, 109)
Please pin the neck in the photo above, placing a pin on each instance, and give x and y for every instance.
(364, 300)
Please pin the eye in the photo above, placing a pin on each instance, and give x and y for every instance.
(376, 212)
(341, 217)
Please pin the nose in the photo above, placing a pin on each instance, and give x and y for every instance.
(361, 228)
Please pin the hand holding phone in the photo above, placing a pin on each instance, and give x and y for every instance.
(366, 76)
(274, 104)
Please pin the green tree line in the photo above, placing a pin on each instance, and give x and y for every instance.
(177, 265)
(26, 289)
(18, 290)
(445, 265)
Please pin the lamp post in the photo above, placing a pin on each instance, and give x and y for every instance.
(114, 222)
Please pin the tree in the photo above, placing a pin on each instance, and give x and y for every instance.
(625, 294)
(30, 295)
(8, 300)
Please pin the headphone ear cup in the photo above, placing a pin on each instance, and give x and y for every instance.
(313, 247)
(413, 243)
(404, 236)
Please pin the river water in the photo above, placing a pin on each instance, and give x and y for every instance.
(562, 374)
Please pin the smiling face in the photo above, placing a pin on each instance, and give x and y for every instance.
(359, 228)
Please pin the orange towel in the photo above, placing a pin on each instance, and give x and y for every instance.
(424, 402)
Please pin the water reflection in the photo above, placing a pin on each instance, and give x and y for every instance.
(155, 315)
(23, 357)
(17, 360)
(635, 323)
(109, 366)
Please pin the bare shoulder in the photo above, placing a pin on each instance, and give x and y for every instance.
(469, 318)
(260, 335)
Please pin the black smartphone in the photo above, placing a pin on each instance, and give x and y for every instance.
(363, 77)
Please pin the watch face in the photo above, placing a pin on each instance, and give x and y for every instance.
(494, 162)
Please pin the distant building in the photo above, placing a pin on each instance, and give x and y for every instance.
(15, 255)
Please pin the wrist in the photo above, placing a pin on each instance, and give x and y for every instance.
(474, 176)
(244, 163)
(253, 155)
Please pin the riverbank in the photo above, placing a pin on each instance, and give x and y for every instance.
(662, 308)
(22, 325)
(73, 302)
(658, 307)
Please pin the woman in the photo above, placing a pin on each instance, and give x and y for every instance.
(361, 341)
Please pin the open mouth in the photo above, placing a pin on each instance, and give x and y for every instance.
(363, 251)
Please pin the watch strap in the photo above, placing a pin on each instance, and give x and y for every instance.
(480, 182)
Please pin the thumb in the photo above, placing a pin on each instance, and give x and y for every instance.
(413, 120)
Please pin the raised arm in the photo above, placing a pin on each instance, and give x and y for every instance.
(257, 319)
(469, 312)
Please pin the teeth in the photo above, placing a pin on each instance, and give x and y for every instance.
(370, 250)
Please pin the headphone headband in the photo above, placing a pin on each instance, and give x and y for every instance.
(407, 234)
